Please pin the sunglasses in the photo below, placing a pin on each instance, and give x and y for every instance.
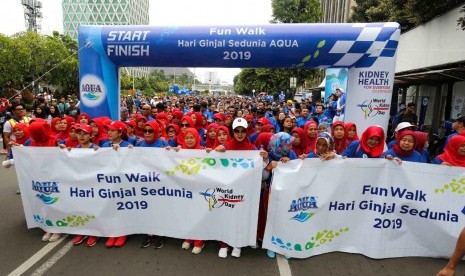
(240, 131)
(185, 125)
(146, 130)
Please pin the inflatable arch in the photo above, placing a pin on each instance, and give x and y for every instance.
(367, 50)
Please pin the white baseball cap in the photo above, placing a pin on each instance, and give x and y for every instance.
(239, 122)
(403, 125)
(340, 89)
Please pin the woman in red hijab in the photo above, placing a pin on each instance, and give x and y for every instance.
(192, 140)
(222, 136)
(300, 144)
(210, 139)
(22, 135)
(42, 136)
(99, 132)
(454, 153)
(371, 145)
(351, 132)
(186, 122)
(140, 124)
(263, 140)
(338, 132)
(311, 131)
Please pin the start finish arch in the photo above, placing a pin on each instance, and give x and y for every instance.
(367, 50)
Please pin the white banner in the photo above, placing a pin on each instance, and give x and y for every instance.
(369, 206)
(189, 194)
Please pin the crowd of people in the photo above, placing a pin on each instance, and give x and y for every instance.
(280, 131)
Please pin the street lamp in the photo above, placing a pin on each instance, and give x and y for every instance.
(253, 93)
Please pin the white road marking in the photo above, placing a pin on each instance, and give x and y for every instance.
(36, 257)
(53, 260)
(283, 265)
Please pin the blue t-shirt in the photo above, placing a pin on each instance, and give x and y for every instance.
(414, 157)
(355, 150)
(159, 143)
(122, 144)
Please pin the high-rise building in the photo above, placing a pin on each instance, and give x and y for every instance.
(103, 12)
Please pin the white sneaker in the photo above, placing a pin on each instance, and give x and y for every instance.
(18, 191)
(46, 236)
(236, 252)
(8, 163)
(197, 249)
(186, 245)
(54, 237)
(223, 253)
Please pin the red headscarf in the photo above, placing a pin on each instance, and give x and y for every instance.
(26, 134)
(197, 138)
(311, 142)
(340, 144)
(156, 131)
(303, 148)
(198, 119)
(180, 138)
(396, 148)
(209, 143)
(41, 135)
(250, 128)
(373, 131)
(177, 114)
(83, 116)
(101, 134)
(420, 138)
(451, 154)
(177, 129)
(267, 128)
(348, 125)
(64, 134)
(263, 140)
(139, 131)
(225, 129)
(53, 123)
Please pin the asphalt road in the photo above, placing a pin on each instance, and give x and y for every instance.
(21, 251)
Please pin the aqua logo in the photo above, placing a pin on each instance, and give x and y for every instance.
(302, 204)
(47, 199)
(46, 188)
(92, 90)
(219, 197)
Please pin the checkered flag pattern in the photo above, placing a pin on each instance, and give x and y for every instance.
(373, 41)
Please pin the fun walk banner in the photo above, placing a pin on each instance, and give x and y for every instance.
(373, 207)
(187, 194)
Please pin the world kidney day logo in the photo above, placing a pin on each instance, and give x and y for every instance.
(374, 107)
(93, 90)
(219, 197)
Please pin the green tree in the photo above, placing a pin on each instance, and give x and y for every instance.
(408, 13)
(296, 11)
